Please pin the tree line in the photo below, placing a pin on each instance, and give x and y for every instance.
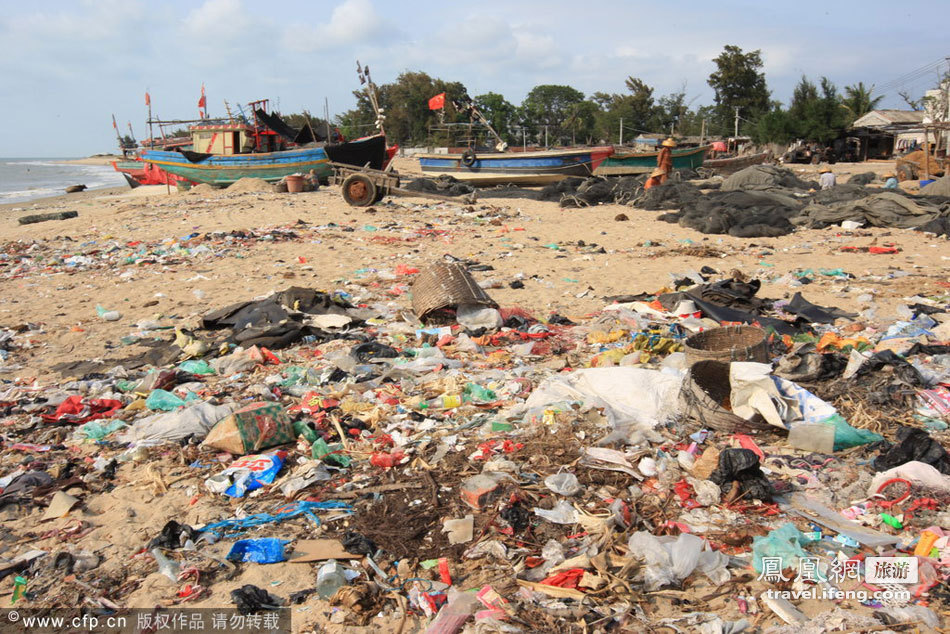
(561, 115)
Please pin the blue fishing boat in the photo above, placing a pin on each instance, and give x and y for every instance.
(227, 166)
(517, 168)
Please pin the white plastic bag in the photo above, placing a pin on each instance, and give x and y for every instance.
(475, 316)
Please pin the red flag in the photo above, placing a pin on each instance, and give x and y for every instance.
(148, 100)
(113, 124)
(437, 102)
(203, 102)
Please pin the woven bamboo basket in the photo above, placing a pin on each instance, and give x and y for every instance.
(445, 285)
(706, 389)
(729, 343)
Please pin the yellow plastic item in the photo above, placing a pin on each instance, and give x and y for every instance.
(926, 543)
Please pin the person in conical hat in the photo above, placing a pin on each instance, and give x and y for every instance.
(654, 179)
(664, 159)
(827, 179)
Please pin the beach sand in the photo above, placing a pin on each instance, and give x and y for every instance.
(537, 241)
(640, 256)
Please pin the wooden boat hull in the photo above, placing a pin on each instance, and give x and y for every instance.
(632, 163)
(517, 168)
(227, 169)
(141, 173)
(730, 165)
(222, 170)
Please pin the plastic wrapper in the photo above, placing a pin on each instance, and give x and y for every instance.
(260, 551)
(563, 483)
(247, 474)
(562, 513)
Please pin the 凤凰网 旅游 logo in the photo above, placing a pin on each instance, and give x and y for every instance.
(890, 570)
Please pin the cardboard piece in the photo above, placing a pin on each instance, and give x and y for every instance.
(252, 428)
(59, 506)
(310, 550)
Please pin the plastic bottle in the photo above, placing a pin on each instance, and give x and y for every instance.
(446, 401)
(166, 566)
(108, 315)
(330, 578)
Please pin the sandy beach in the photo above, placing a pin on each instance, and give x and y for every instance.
(126, 252)
(536, 241)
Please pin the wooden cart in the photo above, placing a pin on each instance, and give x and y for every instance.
(364, 186)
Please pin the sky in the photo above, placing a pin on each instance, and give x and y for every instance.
(67, 66)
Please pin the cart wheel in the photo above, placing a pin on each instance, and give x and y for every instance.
(358, 190)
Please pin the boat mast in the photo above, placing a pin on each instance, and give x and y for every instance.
(363, 72)
(475, 113)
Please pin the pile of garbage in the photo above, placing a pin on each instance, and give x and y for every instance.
(698, 458)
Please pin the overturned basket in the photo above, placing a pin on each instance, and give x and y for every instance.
(705, 391)
(729, 343)
(445, 285)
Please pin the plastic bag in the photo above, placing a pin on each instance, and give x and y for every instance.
(562, 513)
(166, 401)
(194, 366)
(195, 420)
(259, 551)
(657, 570)
(475, 316)
(97, 430)
(247, 474)
(784, 542)
(563, 483)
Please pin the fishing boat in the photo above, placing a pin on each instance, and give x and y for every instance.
(137, 172)
(226, 166)
(736, 163)
(631, 163)
(516, 168)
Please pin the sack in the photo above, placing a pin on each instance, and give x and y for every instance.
(252, 428)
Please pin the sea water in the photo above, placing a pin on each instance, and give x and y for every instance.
(23, 179)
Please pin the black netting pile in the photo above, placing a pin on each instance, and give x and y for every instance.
(841, 193)
(884, 209)
(765, 178)
(670, 195)
(443, 186)
(863, 179)
(742, 214)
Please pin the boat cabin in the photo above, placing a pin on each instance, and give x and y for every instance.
(233, 138)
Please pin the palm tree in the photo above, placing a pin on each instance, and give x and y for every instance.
(858, 101)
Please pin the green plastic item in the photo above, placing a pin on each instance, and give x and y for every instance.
(126, 386)
(477, 393)
(891, 521)
(167, 402)
(322, 451)
(196, 366)
(847, 436)
(784, 542)
(500, 426)
(302, 429)
(97, 430)
(19, 588)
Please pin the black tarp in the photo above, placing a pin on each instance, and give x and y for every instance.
(300, 137)
(371, 151)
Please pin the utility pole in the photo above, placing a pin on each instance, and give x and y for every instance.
(326, 117)
(545, 137)
(621, 130)
(702, 132)
(737, 122)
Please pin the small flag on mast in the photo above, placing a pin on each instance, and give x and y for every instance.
(437, 102)
(148, 100)
(113, 124)
(203, 103)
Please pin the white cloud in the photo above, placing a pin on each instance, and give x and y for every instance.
(352, 22)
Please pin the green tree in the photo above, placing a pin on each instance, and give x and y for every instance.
(582, 122)
(858, 101)
(500, 114)
(405, 104)
(815, 113)
(739, 83)
(548, 106)
(773, 127)
(636, 110)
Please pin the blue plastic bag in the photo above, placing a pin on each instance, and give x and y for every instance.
(259, 551)
(784, 543)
